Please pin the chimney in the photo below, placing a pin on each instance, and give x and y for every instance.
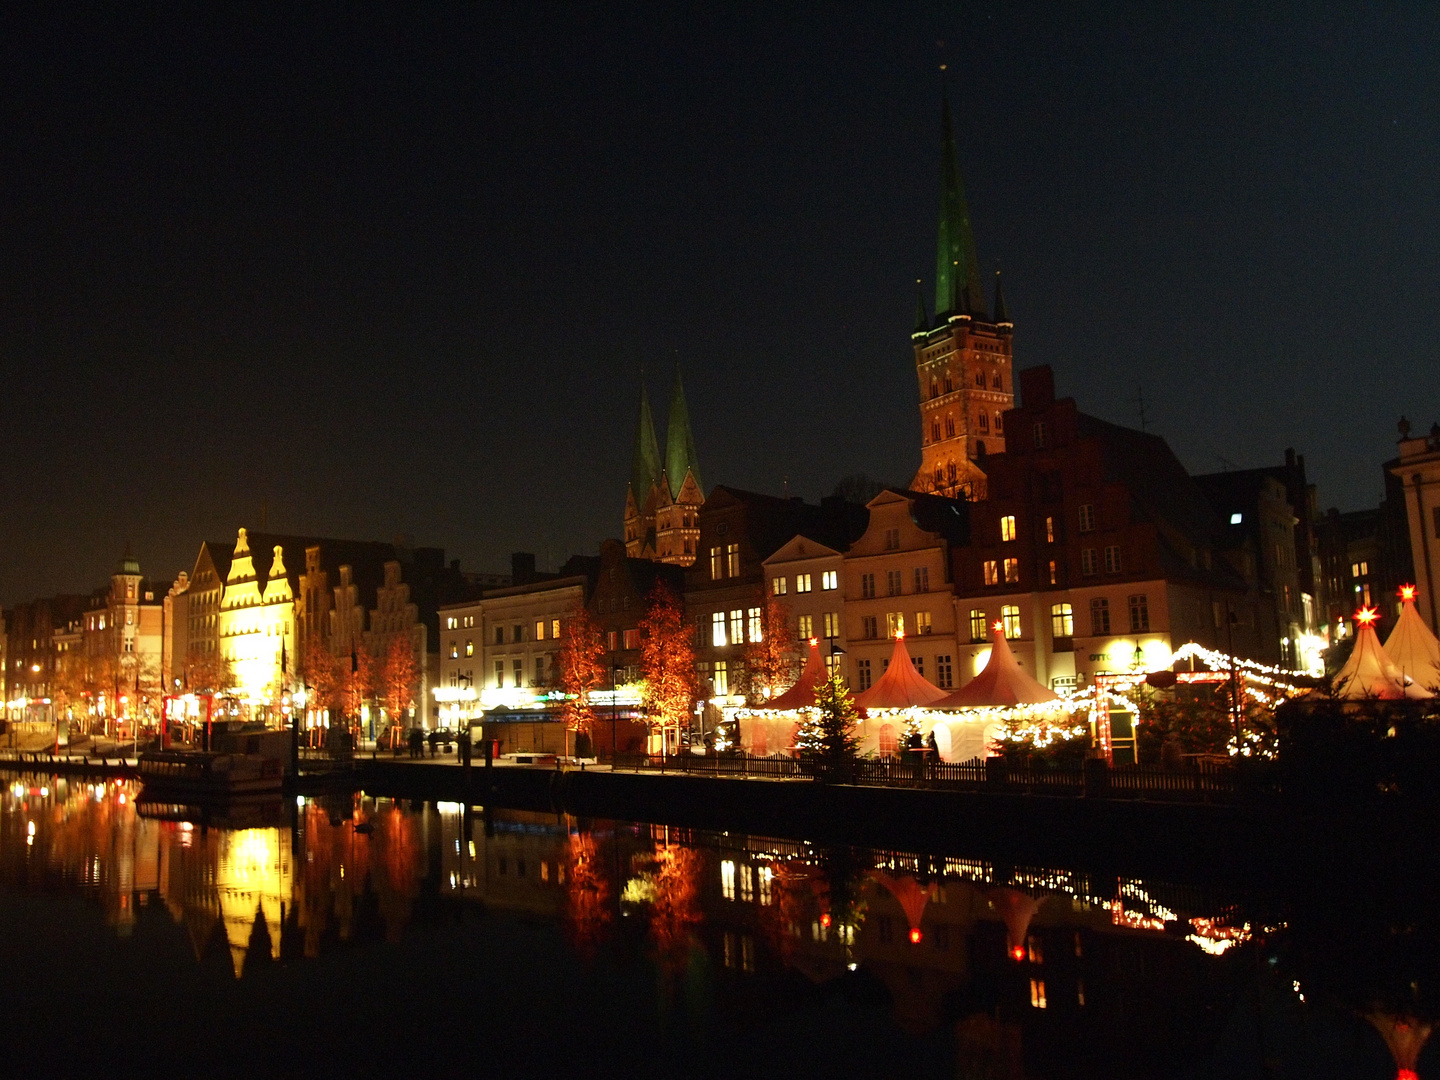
(1037, 387)
(522, 568)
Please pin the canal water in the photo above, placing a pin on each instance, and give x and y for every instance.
(363, 936)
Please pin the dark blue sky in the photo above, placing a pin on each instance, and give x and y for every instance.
(398, 272)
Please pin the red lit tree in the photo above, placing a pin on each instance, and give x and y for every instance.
(582, 669)
(667, 659)
(770, 662)
(399, 675)
(322, 675)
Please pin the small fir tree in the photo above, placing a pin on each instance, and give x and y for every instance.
(828, 731)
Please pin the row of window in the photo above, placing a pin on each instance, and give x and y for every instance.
(895, 582)
(724, 562)
(805, 626)
(517, 672)
(543, 628)
(732, 631)
(456, 622)
(894, 624)
(829, 579)
(1062, 619)
(993, 571)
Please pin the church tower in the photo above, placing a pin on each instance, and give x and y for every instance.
(677, 514)
(663, 499)
(643, 491)
(962, 356)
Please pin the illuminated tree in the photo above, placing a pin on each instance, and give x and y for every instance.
(667, 659)
(357, 680)
(827, 734)
(207, 672)
(323, 675)
(770, 662)
(582, 669)
(399, 676)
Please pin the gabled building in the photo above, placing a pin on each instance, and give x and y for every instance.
(725, 589)
(962, 355)
(1097, 552)
(664, 496)
(805, 576)
(896, 580)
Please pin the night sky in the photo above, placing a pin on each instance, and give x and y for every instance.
(399, 272)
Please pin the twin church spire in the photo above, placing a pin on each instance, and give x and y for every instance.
(664, 497)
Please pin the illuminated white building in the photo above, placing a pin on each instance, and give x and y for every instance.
(257, 623)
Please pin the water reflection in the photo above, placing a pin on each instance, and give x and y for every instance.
(1030, 970)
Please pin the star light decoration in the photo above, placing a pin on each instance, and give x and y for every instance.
(1366, 616)
(1407, 592)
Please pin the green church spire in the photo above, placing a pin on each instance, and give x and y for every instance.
(679, 442)
(922, 317)
(957, 268)
(645, 467)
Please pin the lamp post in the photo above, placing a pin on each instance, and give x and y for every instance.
(614, 706)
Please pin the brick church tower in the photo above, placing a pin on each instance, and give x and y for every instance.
(663, 499)
(962, 356)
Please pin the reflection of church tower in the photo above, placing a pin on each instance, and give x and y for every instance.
(663, 500)
(962, 357)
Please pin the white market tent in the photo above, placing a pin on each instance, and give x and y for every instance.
(1369, 673)
(1002, 684)
(1413, 648)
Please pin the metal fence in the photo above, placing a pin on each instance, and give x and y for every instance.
(1090, 779)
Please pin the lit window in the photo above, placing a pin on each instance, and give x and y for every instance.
(1088, 562)
(737, 626)
(778, 586)
(555, 628)
(802, 583)
(1037, 993)
(992, 572)
(539, 629)
(1099, 616)
(765, 876)
(1034, 950)
(1062, 620)
(832, 624)
(894, 623)
(1049, 530)
(979, 625)
(722, 678)
(1010, 620)
(862, 673)
(451, 623)
(805, 626)
(1139, 614)
(753, 617)
(1112, 559)
(943, 671)
(717, 628)
(717, 568)
(1007, 527)
(1012, 571)
(469, 647)
(1087, 517)
(1054, 573)
(922, 623)
(454, 650)
(1236, 519)
(732, 560)
(727, 879)
(747, 882)
(631, 639)
(830, 579)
